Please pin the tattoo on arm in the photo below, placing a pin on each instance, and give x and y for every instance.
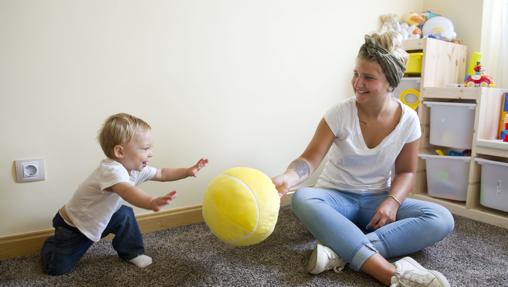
(301, 167)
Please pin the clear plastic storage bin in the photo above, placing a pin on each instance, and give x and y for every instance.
(494, 184)
(451, 124)
(447, 176)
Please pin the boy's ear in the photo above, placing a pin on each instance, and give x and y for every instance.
(118, 151)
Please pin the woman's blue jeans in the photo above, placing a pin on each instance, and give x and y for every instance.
(62, 251)
(338, 219)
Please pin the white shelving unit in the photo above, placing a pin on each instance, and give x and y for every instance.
(484, 145)
(443, 65)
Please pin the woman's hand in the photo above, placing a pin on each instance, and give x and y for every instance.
(385, 213)
(281, 184)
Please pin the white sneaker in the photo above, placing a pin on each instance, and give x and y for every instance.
(324, 259)
(141, 261)
(410, 273)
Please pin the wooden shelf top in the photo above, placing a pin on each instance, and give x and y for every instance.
(492, 147)
(420, 44)
(452, 93)
(413, 44)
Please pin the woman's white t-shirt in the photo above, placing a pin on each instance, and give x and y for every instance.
(351, 165)
(92, 206)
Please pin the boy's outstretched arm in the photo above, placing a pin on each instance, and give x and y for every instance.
(171, 174)
(139, 198)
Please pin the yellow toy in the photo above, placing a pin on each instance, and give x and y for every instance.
(414, 19)
(410, 97)
(473, 60)
(241, 206)
(503, 118)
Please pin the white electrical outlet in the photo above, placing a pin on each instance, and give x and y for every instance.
(29, 170)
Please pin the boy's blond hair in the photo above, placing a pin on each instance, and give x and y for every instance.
(119, 129)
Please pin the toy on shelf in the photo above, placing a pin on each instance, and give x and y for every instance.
(410, 97)
(429, 14)
(504, 133)
(392, 22)
(412, 31)
(473, 60)
(456, 153)
(408, 91)
(414, 19)
(412, 24)
(479, 79)
(503, 118)
(419, 25)
(389, 22)
(439, 27)
(449, 153)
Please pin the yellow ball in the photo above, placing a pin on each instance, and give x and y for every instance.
(241, 206)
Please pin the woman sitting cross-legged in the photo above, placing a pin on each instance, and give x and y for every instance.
(359, 210)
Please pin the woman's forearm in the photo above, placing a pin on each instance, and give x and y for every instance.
(402, 185)
(297, 172)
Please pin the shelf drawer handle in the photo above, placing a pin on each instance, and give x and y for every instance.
(499, 187)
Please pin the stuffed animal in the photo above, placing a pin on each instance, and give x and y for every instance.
(429, 14)
(414, 19)
(439, 27)
(414, 32)
(389, 22)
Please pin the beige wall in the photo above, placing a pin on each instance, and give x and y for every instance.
(240, 82)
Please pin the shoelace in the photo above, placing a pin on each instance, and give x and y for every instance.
(338, 268)
(334, 262)
(411, 276)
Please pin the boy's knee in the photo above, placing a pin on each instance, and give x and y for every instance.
(125, 215)
(125, 211)
(52, 265)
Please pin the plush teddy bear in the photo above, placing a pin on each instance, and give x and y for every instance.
(391, 22)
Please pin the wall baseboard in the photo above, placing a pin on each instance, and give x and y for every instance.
(30, 243)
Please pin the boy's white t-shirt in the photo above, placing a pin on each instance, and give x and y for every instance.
(92, 207)
(351, 165)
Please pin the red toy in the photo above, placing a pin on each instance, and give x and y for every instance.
(479, 79)
(504, 133)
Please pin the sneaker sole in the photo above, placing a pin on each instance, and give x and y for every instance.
(311, 264)
(441, 278)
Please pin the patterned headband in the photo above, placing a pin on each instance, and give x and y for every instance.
(392, 66)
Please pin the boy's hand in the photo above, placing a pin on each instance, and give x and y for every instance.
(193, 170)
(157, 202)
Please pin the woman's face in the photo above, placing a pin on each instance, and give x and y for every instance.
(369, 82)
